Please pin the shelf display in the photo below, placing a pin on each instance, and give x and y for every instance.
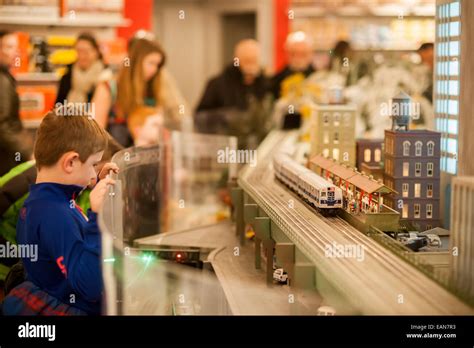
(376, 34)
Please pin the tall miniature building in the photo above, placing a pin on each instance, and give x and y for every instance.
(411, 168)
(453, 92)
(462, 234)
(332, 133)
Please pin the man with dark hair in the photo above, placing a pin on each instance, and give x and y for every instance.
(426, 52)
(14, 146)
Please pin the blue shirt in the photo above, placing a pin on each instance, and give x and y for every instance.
(69, 246)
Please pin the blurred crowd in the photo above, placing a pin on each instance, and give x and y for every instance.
(134, 102)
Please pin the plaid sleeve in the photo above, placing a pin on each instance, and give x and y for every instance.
(28, 299)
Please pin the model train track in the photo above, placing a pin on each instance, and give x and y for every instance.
(373, 286)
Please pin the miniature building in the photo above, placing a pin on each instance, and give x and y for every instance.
(462, 234)
(453, 84)
(362, 195)
(369, 151)
(332, 132)
(374, 171)
(370, 157)
(411, 168)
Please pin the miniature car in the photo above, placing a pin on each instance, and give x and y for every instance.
(326, 311)
(280, 276)
(413, 240)
(434, 240)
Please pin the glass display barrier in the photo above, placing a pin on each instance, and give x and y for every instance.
(173, 186)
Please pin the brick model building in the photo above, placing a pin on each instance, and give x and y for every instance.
(411, 168)
(369, 157)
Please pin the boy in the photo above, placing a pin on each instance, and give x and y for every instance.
(14, 190)
(65, 278)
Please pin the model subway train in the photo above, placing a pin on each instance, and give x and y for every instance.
(316, 191)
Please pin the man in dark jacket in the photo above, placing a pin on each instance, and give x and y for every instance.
(299, 50)
(239, 82)
(15, 147)
(238, 101)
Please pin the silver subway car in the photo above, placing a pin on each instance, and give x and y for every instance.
(315, 190)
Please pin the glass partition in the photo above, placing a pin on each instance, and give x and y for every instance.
(173, 186)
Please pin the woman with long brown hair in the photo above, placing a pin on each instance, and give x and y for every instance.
(142, 89)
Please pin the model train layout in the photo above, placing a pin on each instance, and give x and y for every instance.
(316, 191)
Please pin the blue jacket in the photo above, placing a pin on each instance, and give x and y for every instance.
(69, 246)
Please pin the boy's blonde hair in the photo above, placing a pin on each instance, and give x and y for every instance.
(57, 135)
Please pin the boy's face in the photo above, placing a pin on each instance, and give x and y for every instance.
(83, 174)
(98, 168)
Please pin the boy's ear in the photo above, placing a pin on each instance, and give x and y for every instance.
(69, 161)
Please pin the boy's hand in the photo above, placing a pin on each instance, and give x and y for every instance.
(97, 195)
(107, 168)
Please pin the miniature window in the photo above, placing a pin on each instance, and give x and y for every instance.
(326, 119)
(429, 190)
(418, 169)
(406, 169)
(429, 169)
(335, 154)
(428, 227)
(326, 153)
(336, 138)
(406, 148)
(417, 190)
(430, 146)
(337, 119)
(429, 211)
(377, 155)
(405, 211)
(416, 209)
(367, 155)
(418, 148)
(326, 137)
(405, 190)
